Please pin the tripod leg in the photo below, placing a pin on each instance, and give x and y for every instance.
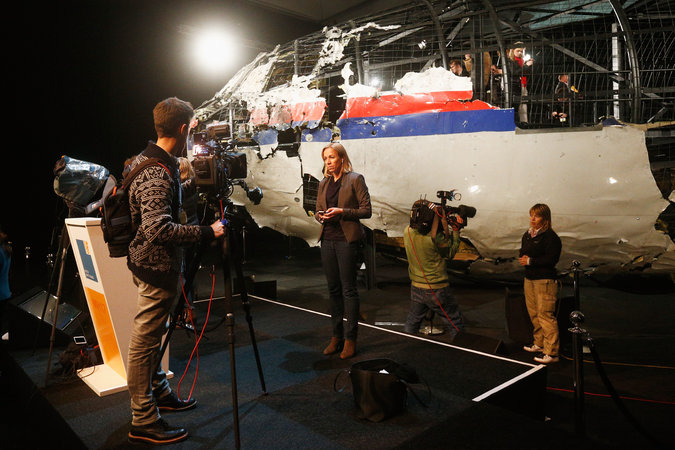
(247, 308)
(229, 323)
(57, 265)
(64, 254)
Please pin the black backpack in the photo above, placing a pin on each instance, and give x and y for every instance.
(118, 228)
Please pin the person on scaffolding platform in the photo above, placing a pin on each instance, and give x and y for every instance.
(427, 249)
(155, 260)
(520, 66)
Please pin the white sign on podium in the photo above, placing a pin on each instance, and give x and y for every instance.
(111, 297)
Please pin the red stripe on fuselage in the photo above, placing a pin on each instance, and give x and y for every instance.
(302, 112)
(396, 104)
(287, 113)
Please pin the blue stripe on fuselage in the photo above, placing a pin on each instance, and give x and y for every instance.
(317, 135)
(424, 124)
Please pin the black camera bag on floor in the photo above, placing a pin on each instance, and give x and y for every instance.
(381, 388)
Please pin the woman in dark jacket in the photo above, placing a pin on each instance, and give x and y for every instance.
(342, 200)
(539, 253)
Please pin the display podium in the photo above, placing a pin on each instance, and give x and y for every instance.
(111, 297)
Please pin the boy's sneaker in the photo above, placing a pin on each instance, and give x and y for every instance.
(546, 359)
(534, 348)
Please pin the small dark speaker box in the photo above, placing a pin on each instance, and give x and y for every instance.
(480, 343)
(266, 289)
(26, 327)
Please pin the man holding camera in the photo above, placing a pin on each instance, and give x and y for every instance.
(427, 249)
(155, 260)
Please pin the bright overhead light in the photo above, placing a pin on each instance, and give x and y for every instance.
(612, 180)
(214, 50)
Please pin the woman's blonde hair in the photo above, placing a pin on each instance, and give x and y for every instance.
(342, 153)
(543, 211)
(186, 170)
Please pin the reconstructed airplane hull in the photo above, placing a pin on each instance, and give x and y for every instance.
(428, 133)
(597, 182)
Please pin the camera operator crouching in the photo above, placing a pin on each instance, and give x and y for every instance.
(428, 248)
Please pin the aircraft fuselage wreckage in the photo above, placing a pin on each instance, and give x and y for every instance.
(412, 127)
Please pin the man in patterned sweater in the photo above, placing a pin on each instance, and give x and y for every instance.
(155, 260)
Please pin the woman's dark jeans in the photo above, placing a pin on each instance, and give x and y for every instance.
(340, 259)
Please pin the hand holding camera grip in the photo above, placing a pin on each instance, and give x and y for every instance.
(218, 227)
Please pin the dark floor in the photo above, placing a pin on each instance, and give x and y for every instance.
(628, 318)
(630, 321)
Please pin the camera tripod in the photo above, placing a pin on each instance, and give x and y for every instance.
(230, 258)
(56, 280)
(59, 267)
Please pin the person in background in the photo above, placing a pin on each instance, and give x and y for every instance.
(539, 253)
(189, 186)
(483, 78)
(519, 67)
(155, 262)
(190, 195)
(427, 249)
(342, 200)
(458, 69)
(565, 96)
(5, 263)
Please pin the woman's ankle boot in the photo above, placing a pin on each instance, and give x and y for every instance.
(349, 349)
(333, 347)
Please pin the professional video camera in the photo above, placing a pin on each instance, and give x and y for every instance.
(79, 182)
(219, 167)
(450, 211)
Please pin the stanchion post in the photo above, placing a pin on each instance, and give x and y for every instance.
(577, 318)
(577, 301)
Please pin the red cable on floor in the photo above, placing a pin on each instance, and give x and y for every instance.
(197, 340)
(607, 395)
